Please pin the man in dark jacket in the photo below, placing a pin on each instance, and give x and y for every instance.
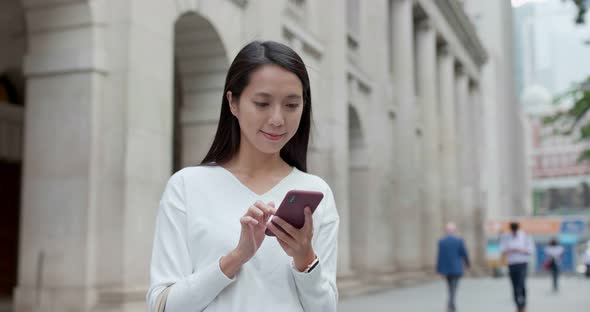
(452, 256)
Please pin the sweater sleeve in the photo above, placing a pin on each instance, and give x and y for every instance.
(317, 289)
(193, 289)
(465, 254)
(439, 263)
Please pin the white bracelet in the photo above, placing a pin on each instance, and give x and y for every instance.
(312, 265)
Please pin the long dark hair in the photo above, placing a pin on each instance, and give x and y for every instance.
(251, 57)
(514, 227)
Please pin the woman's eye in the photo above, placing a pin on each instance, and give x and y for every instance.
(293, 106)
(261, 104)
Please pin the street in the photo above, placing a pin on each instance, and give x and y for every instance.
(477, 295)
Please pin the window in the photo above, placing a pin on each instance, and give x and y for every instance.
(546, 163)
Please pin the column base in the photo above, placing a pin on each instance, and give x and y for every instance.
(31, 299)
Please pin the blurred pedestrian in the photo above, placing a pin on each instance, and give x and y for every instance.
(553, 253)
(587, 260)
(517, 247)
(452, 256)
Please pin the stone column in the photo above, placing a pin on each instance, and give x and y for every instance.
(448, 150)
(67, 159)
(406, 215)
(427, 90)
(464, 160)
(144, 88)
(329, 150)
(478, 143)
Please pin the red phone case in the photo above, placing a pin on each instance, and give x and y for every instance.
(292, 206)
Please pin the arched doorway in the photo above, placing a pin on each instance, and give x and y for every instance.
(359, 192)
(12, 99)
(200, 66)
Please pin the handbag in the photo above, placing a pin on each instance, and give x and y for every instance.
(548, 264)
(162, 297)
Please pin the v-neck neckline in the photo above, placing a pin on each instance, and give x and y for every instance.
(249, 190)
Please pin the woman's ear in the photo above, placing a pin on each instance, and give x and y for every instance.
(233, 107)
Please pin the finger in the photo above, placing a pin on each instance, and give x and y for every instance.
(308, 218)
(248, 220)
(273, 208)
(255, 212)
(284, 245)
(264, 208)
(291, 230)
(280, 234)
(267, 209)
(272, 211)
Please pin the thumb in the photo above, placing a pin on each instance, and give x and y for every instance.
(272, 205)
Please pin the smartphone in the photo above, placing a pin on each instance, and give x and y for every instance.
(292, 206)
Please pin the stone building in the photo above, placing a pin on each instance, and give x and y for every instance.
(110, 97)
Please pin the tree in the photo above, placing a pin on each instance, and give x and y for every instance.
(582, 9)
(575, 119)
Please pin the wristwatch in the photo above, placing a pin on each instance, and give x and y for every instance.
(312, 265)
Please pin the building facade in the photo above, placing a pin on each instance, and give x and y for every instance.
(504, 175)
(112, 97)
(561, 183)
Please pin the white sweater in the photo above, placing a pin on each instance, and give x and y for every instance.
(555, 252)
(198, 223)
(519, 241)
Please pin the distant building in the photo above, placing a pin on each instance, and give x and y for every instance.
(551, 56)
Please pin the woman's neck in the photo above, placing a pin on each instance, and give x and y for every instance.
(251, 161)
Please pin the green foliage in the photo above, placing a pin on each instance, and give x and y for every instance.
(582, 9)
(585, 155)
(568, 122)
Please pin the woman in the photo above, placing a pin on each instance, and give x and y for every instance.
(553, 253)
(210, 249)
(517, 247)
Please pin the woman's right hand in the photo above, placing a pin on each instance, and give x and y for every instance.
(253, 228)
(251, 237)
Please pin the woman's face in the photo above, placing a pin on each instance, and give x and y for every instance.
(269, 109)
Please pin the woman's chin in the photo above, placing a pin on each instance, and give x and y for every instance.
(270, 149)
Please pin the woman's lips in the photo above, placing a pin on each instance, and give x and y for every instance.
(271, 136)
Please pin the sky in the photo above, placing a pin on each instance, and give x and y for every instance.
(560, 56)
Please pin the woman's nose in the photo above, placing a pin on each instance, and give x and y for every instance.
(276, 118)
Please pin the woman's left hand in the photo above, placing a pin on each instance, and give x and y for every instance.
(296, 242)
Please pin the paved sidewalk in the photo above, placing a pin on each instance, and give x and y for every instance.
(478, 295)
